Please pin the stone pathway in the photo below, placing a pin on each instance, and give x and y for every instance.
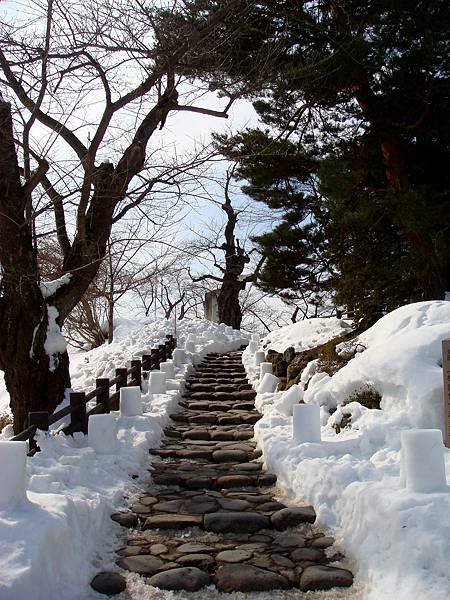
(209, 482)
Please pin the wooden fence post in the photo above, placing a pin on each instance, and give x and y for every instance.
(40, 419)
(446, 373)
(103, 396)
(155, 358)
(122, 373)
(78, 418)
(137, 373)
(162, 352)
(146, 362)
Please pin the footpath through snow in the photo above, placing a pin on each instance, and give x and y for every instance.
(400, 540)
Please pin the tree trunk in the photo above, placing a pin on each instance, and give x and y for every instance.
(229, 308)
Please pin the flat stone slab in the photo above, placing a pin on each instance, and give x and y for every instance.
(164, 521)
(247, 578)
(290, 517)
(144, 564)
(226, 456)
(190, 579)
(322, 577)
(238, 522)
(126, 519)
(233, 556)
(194, 548)
(109, 583)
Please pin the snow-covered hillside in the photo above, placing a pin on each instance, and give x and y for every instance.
(399, 540)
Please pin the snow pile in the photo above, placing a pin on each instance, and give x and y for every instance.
(57, 539)
(400, 540)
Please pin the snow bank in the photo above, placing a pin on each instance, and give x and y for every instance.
(400, 540)
(55, 540)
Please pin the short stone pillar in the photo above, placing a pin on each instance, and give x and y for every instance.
(260, 357)
(168, 368)
(423, 467)
(306, 423)
(179, 356)
(13, 457)
(265, 367)
(157, 382)
(102, 434)
(130, 401)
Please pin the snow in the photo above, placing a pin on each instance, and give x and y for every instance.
(55, 343)
(56, 540)
(398, 538)
(48, 288)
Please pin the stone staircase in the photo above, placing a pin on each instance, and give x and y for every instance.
(210, 515)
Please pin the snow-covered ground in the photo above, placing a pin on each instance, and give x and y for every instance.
(53, 544)
(400, 540)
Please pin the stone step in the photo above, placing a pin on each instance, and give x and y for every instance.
(212, 480)
(222, 396)
(205, 387)
(216, 381)
(216, 418)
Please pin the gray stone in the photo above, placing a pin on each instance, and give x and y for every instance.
(282, 561)
(234, 504)
(235, 522)
(156, 549)
(302, 554)
(194, 548)
(225, 456)
(131, 551)
(172, 521)
(270, 506)
(229, 481)
(248, 578)
(292, 540)
(126, 519)
(148, 500)
(322, 542)
(109, 583)
(321, 577)
(249, 467)
(197, 434)
(199, 507)
(172, 506)
(202, 561)
(289, 517)
(233, 556)
(190, 579)
(144, 564)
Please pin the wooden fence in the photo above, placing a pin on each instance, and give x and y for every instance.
(105, 401)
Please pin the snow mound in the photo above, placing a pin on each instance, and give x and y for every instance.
(305, 334)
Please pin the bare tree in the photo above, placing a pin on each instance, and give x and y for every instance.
(84, 83)
(232, 279)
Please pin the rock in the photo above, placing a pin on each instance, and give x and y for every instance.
(172, 521)
(229, 481)
(322, 542)
(194, 548)
(248, 467)
(289, 355)
(156, 549)
(195, 453)
(233, 556)
(321, 577)
(267, 479)
(109, 583)
(126, 519)
(235, 522)
(292, 540)
(225, 456)
(172, 506)
(131, 551)
(196, 434)
(202, 561)
(248, 578)
(234, 504)
(148, 500)
(144, 564)
(190, 579)
(270, 506)
(282, 561)
(199, 507)
(290, 517)
(302, 554)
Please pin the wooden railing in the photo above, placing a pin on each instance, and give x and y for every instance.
(105, 401)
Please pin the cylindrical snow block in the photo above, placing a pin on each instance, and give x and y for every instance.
(265, 367)
(157, 382)
(423, 460)
(179, 356)
(189, 346)
(191, 337)
(306, 423)
(268, 384)
(256, 337)
(13, 456)
(260, 357)
(102, 434)
(130, 401)
(168, 368)
(253, 346)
